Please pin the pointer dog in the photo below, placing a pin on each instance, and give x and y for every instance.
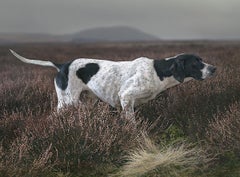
(125, 83)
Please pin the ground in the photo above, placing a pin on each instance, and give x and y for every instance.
(94, 140)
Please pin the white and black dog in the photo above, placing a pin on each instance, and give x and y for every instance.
(125, 83)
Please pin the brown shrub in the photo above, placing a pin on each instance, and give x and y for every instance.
(17, 160)
(77, 139)
(25, 94)
(223, 132)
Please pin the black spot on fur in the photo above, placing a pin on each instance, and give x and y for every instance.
(87, 72)
(162, 68)
(180, 67)
(62, 75)
(192, 65)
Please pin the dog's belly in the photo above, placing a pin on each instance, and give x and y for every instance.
(105, 92)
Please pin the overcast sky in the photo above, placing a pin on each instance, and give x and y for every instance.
(167, 19)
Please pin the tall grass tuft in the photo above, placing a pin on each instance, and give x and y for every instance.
(172, 160)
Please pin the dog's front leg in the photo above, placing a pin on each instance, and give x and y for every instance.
(128, 108)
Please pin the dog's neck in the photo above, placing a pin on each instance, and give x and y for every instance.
(171, 81)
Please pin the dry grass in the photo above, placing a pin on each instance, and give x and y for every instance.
(172, 160)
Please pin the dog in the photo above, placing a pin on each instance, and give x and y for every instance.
(124, 83)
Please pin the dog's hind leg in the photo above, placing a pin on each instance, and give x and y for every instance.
(60, 97)
(67, 97)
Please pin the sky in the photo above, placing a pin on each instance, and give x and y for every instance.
(166, 19)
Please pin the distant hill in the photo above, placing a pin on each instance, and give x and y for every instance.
(101, 34)
(112, 34)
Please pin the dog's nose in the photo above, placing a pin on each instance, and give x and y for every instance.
(212, 69)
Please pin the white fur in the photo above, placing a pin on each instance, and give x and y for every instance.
(169, 58)
(31, 61)
(205, 71)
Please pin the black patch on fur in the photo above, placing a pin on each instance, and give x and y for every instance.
(192, 65)
(62, 75)
(180, 67)
(87, 72)
(177, 70)
(162, 68)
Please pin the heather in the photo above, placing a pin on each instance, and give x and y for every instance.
(189, 130)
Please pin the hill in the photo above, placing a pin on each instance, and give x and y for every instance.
(101, 34)
(112, 34)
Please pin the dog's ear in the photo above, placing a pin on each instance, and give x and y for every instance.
(177, 70)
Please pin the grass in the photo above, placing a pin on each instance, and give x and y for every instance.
(175, 134)
(171, 160)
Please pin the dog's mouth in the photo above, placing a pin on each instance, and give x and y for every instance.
(212, 70)
(208, 72)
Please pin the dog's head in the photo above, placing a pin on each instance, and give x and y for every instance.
(188, 65)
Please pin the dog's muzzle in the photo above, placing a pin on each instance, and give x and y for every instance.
(208, 71)
(212, 70)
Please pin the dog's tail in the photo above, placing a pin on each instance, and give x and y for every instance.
(36, 62)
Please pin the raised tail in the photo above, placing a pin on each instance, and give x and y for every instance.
(36, 62)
